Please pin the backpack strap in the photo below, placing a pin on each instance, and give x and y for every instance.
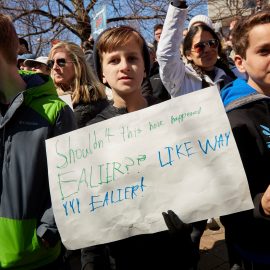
(245, 100)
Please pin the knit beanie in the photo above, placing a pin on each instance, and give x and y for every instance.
(202, 19)
(97, 66)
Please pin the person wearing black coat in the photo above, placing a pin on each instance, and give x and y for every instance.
(123, 69)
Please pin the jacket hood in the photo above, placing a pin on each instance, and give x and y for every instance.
(38, 84)
(236, 90)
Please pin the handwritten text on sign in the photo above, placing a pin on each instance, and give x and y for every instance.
(113, 179)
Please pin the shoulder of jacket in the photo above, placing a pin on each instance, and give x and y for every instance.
(47, 106)
(252, 98)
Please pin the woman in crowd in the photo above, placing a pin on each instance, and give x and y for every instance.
(71, 75)
(201, 47)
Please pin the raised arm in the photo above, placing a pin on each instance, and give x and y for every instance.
(172, 68)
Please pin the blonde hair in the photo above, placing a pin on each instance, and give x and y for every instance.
(9, 42)
(85, 86)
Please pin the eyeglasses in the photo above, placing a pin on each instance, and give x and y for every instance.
(61, 62)
(200, 46)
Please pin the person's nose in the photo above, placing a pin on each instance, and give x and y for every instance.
(55, 66)
(124, 65)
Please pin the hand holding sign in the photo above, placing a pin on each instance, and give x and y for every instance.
(266, 201)
(174, 223)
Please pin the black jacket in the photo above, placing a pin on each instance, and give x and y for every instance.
(159, 90)
(89, 58)
(111, 111)
(85, 112)
(159, 251)
(250, 122)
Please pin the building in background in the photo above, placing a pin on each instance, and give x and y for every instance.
(223, 12)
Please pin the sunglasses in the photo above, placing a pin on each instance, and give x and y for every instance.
(34, 65)
(200, 46)
(61, 62)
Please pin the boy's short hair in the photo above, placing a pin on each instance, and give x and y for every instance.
(9, 42)
(114, 37)
(240, 32)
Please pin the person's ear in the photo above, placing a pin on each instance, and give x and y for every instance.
(240, 63)
(104, 79)
(188, 53)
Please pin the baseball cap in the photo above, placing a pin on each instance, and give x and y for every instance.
(26, 56)
(40, 59)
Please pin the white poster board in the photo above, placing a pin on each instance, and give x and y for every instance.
(113, 179)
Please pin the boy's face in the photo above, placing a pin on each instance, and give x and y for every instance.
(123, 68)
(257, 62)
(40, 68)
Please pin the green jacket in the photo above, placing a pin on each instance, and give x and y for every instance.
(34, 115)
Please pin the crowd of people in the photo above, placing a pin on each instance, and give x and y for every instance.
(120, 73)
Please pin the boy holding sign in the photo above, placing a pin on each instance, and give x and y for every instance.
(122, 61)
(248, 107)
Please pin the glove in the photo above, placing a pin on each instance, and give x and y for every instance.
(180, 3)
(181, 233)
(175, 224)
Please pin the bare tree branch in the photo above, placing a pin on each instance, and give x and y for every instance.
(131, 18)
(47, 19)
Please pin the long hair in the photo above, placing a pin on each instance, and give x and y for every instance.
(193, 31)
(85, 86)
(222, 62)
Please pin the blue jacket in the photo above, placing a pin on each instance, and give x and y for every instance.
(235, 91)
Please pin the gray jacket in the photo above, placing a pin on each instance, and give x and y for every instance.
(34, 115)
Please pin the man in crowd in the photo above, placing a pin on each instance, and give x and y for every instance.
(30, 113)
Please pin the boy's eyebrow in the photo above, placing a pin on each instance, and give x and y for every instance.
(263, 45)
(134, 53)
(115, 53)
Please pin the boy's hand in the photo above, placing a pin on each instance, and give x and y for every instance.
(174, 223)
(265, 201)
